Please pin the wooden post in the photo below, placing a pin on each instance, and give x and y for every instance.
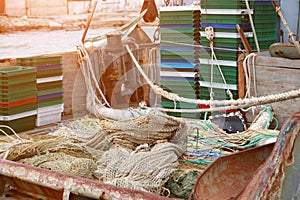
(89, 22)
(241, 77)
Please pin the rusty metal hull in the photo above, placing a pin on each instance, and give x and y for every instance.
(39, 183)
(252, 174)
(279, 176)
(227, 177)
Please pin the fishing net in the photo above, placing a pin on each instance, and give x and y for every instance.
(181, 183)
(146, 171)
(50, 152)
(140, 153)
(149, 129)
(63, 162)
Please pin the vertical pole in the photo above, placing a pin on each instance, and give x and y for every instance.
(241, 77)
(89, 22)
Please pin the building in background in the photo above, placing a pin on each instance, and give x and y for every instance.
(40, 8)
(35, 8)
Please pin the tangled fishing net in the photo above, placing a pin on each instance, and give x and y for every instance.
(149, 129)
(139, 153)
(50, 152)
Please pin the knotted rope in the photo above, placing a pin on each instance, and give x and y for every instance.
(223, 104)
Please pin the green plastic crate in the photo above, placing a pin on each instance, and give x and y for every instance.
(224, 19)
(49, 73)
(221, 55)
(49, 91)
(176, 56)
(172, 35)
(39, 61)
(219, 94)
(16, 87)
(178, 30)
(50, 102)
(15, 71)
(15, 80)
(232, 43)
(18, 96)
(217, 78)
(170, 83)
(170, 104)
(181, 38)
(208, 4)
(18, 109)
(49, 85)
(19, 88)
(19, 125)
(189, 53)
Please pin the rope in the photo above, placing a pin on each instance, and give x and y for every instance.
(12, 130)
(246, 66)
(210, 36)
(86, 65)
(226, 104)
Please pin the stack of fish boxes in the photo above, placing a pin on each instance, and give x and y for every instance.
(265, 22)
(222, 15)
(18, 94)
(180, 28)
(49, 87)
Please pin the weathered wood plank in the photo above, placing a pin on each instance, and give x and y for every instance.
(277, 62)
(277, 75)
(70, 70)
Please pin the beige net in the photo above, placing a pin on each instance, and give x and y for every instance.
(50, 152)
(146, 171)
(149, 129)
(63, 162)
(139, 153)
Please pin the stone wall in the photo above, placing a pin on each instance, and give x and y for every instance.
(15, 7)
(35, 8)
(46, 8)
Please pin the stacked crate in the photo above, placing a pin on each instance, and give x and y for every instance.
(265, 22)
(222, 15)
(18, 94)
(180, 28)
(49, 87)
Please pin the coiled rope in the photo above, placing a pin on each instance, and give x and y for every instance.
(223, 104)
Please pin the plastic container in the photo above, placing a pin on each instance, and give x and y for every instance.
(16, 71)
(18, 88)
(225, 19)
(220, 54)
(13, 97)
(180, 38)
(19, 122)
(39, 61)
(18, 109)
(17, 103)
(181, 54)
(48, 67)
(49, 85)
(50, 91)
(49, 79)
(218, 93)
(50, 102)
(49, 114)
(49, 73)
